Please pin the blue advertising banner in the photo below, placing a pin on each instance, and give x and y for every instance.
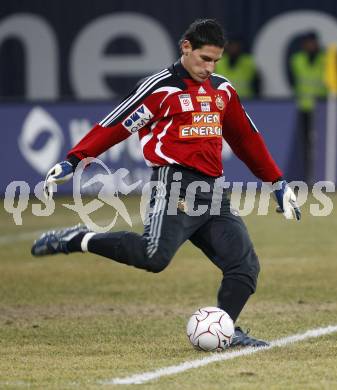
(38, 136)
(322, 157)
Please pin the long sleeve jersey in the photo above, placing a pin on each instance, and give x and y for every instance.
(181, 121)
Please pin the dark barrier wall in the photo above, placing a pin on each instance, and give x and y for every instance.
(38, 136)
(98, 49)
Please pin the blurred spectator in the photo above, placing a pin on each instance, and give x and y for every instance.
(239, 67)
(307, 79)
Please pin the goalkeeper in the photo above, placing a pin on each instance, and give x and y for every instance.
(181, 115)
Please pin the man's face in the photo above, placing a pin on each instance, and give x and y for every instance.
(310, 45)
(200, 63)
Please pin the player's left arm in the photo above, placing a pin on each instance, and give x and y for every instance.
(247, 143)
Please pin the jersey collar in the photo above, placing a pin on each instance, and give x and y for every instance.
(180, 70)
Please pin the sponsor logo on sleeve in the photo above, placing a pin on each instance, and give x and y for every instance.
(138, 119)
(203, 125)
(186, 102)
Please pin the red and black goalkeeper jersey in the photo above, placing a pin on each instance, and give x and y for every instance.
(181, 121)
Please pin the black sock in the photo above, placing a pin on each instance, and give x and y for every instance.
(232, 296)
(74, 245)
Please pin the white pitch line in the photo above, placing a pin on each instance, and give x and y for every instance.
(7, 239)
(171, 370)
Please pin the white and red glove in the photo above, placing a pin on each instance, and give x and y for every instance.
(286, 200)
(58, 174)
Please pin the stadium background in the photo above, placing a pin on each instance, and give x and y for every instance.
(63, 69)
(71, 322)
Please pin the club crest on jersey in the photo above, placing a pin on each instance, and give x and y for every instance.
(186, 102)
(138, 119)
(219, 102)
(205, 107)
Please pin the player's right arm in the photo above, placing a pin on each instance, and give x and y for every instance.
(137, 110)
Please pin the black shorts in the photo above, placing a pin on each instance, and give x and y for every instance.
(187, 205)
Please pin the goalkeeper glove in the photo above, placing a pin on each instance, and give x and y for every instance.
(60, 173)
(286, 200)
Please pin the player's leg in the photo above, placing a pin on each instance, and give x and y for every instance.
(151, 251)
(125, 247)
(228, 246)
(225, 240)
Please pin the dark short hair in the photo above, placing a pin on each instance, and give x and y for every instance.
(310, 35)
(204, 32)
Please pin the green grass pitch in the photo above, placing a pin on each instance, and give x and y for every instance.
(67, 322)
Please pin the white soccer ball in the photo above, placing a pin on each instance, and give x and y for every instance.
(210, 329)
